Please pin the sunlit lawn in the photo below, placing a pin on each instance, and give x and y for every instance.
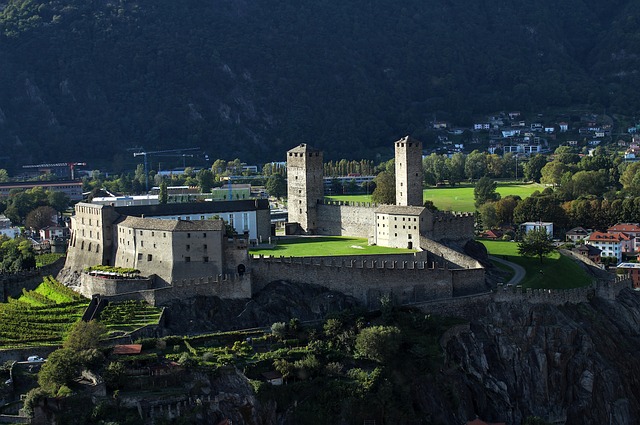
(556, 271)
(459, 198)
(326, 245)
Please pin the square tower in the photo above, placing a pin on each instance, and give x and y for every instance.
(304, 186)
(409, 172)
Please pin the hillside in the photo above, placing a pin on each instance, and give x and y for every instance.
(87, 80)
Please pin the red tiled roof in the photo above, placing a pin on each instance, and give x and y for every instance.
(624, 227)
(608, 237)
(127, 349)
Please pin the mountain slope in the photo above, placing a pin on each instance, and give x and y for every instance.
(86, 80)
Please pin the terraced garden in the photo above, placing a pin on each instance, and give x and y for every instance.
(128, 316)
(41, 316)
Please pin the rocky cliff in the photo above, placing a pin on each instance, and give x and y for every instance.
(570, 364)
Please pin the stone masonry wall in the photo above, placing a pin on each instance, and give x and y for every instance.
(451, 255)
(452, 226)
(90, 285)
(223, 286)
(11, 284)
(365, 280)
(346, 219)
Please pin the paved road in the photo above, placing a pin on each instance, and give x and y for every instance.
(520, 272)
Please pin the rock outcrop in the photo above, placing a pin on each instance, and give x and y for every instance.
(573, 364)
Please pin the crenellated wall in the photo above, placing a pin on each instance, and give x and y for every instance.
(451, 226)
(346, 219)
(91, 285)
(367, 279)
(223, 286)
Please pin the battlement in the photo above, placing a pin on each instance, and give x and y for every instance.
(353, 263)
(603, 289)
(330, 202)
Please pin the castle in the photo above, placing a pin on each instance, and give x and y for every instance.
(408, 224)
(181, 252)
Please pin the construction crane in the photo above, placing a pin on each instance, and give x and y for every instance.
(49, 166)
(145, 154)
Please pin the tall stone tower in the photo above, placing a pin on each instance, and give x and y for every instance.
(304, 185)
(409, 172)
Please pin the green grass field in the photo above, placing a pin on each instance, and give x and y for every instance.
(556, 271)
(459, 198)
(321, 246)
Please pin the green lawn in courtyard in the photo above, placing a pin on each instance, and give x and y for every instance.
(556, 271)
(310, 246)
(459, 198)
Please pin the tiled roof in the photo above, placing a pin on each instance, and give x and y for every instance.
(608, 237)
(399, 210)
(624, 227)
(127, 349)
(172, 225)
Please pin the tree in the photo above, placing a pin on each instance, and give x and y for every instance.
(58, 200)
(488, 214)
(276, 186)
(163, 195)
(205, 180)
(536, 243)
(4, 176)
(532, 169)
(385, 192)
(552, 173)
(475, 165)
(378, 343)
(59, 369)
(84, 335)
(505, 208)
(41, 217)
(456, 166)
(485, 191)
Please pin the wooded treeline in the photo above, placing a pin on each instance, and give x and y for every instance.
(87, 80)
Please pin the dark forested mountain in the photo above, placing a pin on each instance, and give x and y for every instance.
(85, 80)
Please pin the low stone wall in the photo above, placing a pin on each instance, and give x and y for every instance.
(90, 285)
(223, 286)
(454, 257)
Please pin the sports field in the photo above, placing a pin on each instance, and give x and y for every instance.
(459, 198)
(556, 271)
(310, 246)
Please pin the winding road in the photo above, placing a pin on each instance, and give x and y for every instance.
(520, 272)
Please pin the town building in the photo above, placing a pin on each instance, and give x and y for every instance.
(577, 234)
(630, 229)
(611, 244)
(633, 271)
(73, 189)
(536, 225)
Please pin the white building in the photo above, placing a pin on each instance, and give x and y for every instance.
(535, 225)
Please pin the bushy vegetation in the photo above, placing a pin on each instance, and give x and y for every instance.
(121, 271)
(48, 258)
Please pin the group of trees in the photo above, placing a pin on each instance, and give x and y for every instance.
(35, 207)
(16, 255)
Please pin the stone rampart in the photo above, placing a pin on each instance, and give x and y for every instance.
(346, 219)
(452, 226)
(223, 286)
(456, 258)
(11, 284)
(90, 285)
(366, 280)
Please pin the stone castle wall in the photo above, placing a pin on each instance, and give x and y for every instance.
(223, 286)
(452, 226)
(346, 219)
(90, 285)
(456, 258)
(364, 279)
(11, 284)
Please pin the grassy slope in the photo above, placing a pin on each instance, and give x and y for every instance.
(458, 198)
(556, 271)
(334, 245)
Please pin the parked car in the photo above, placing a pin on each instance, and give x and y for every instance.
(35, 359)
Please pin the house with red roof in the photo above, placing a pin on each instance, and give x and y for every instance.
(611, 244)
(631, 229)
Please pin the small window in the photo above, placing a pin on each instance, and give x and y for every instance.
(205, 259)
(149, 257)
(187, 259)
(164, 235)
(139, 256)
(204, 247)
(153, 233)
(188, 235)
(204, 235)
(140, 232)
(188, 247)
(409, 236)
(141, 243)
